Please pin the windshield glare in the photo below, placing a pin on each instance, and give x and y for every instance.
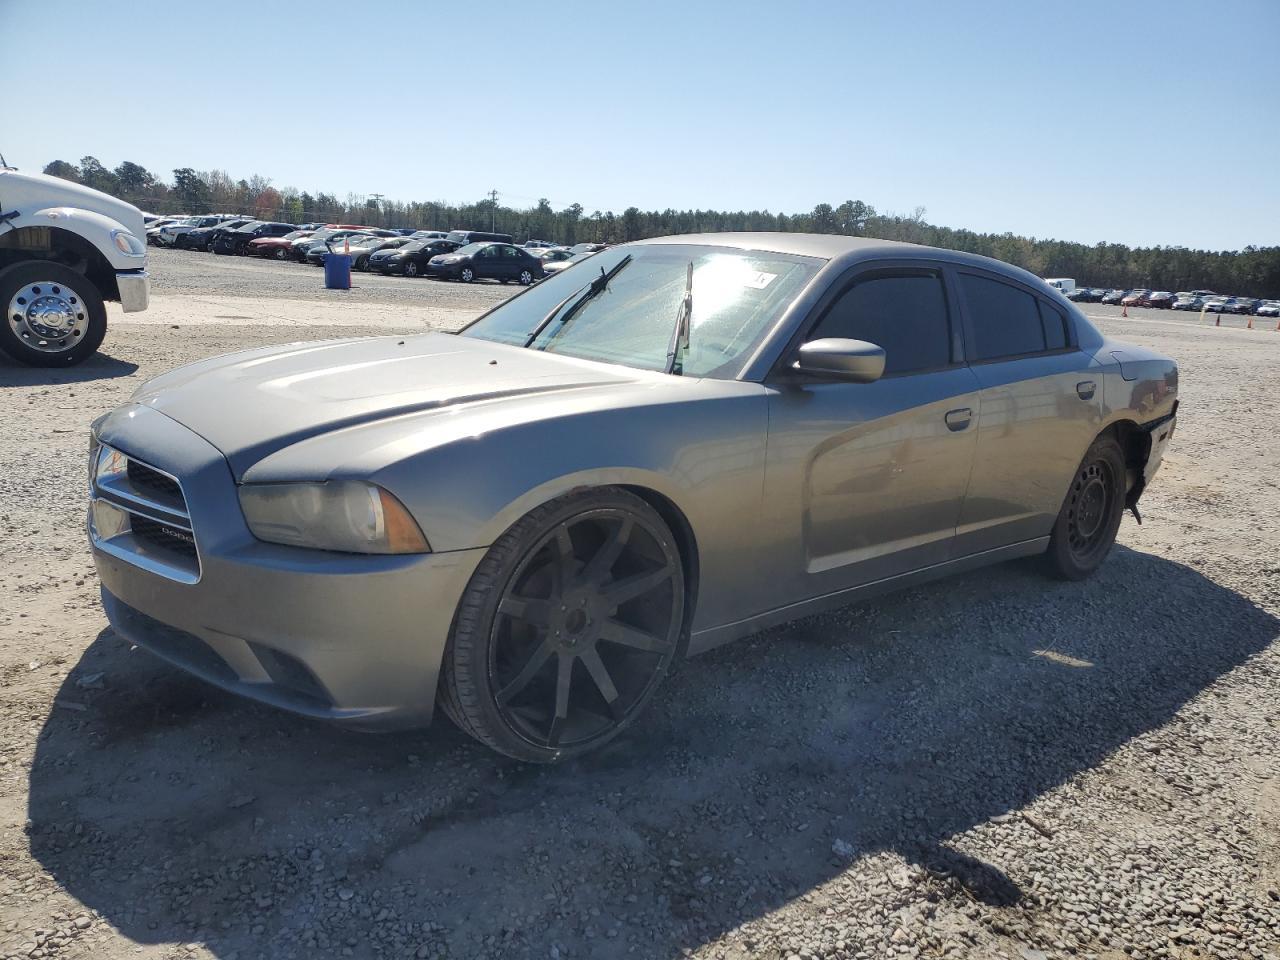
(737, 297)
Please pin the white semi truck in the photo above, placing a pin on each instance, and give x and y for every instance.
(64, 250)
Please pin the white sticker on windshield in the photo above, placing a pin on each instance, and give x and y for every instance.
(759, 280)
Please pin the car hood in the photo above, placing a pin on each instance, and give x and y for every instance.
(252, 404)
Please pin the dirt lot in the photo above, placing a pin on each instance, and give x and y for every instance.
(993, 766)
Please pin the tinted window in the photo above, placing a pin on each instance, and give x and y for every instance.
(1055, 326)
(906, 315)
(1005, 320)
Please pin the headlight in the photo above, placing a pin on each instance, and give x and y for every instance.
(349, 516)
(108, 463)
(128, 244)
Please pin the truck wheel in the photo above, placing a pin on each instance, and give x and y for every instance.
(54, 317)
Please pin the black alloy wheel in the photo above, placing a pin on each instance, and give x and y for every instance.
(567, 627)
(410, 268)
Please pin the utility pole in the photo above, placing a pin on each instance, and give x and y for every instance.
(377, 199)
(493, 210)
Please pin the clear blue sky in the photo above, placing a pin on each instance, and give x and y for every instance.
(1136, 121)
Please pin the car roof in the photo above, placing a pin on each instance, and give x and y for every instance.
(846, 250)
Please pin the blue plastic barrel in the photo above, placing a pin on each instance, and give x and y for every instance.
(337, 271)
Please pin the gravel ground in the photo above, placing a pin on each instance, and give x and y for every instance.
(997, 765)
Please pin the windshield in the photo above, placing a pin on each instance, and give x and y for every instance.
(737, 297)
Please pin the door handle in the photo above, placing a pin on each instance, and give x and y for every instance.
(1085, 388)
(957, 420)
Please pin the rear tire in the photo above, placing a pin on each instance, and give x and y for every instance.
(567, 627)
(1091, 511)
(466, 274)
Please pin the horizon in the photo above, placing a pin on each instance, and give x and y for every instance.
(654, 136)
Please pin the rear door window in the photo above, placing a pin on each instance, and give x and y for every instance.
(1005, 319)
(905, 313)
(1055, 326)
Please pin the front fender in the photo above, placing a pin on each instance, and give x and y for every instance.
(95, 228)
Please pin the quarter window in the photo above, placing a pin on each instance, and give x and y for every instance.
(1006, 320)
(906, 314)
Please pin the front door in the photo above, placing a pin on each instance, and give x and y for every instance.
(865, 481)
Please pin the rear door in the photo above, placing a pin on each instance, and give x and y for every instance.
(867, 480)
(1041, 407)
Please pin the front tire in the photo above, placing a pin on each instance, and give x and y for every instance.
(1090, 516)
(410, 269)
(54, 317)
(466, 275)
(567, 627)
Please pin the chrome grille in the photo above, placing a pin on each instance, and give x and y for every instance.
(138, 513)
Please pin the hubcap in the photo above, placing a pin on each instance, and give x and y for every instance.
(1090, 506)
(47, 316)
(585, 628)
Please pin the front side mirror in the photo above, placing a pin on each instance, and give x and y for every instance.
(855, 360)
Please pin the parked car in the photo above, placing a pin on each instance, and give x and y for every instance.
(1215, 304)
(464, 237)
(153, 229)
(1113, 296)
(411, 259)
(237, 241)
(487, 261)
(1240, 305)
(549, 255)
(1187, 302)
(555, 266)
(277, 248)
(1269, 308)
(1203, 293)
(430, 235)
(361, 253)
(1160, 299)
(203, 238)
(587, 248)
(539, 244)
(1134, 298)
(1077, 294)
(333, 234)
(169, 233)
(675, 445)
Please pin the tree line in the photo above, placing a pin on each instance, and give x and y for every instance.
(1253, 271)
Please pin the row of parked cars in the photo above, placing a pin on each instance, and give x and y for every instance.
(466, 255)
(1195, 300)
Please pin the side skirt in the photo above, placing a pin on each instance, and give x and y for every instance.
(704, 640)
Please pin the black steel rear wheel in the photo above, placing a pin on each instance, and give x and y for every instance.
(567, 627)
(1091, 511)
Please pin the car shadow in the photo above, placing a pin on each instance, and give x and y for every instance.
(100, 366)
(180, 813)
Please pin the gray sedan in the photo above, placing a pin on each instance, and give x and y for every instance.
(670, 445)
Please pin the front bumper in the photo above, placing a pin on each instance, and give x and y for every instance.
(354, 639)
(135, 290)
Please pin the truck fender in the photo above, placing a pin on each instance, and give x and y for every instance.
(93, 227)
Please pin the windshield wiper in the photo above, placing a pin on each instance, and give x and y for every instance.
(680, 335)
(582, 295)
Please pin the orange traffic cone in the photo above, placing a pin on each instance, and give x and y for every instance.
(1217, 319)
(1249, 326)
